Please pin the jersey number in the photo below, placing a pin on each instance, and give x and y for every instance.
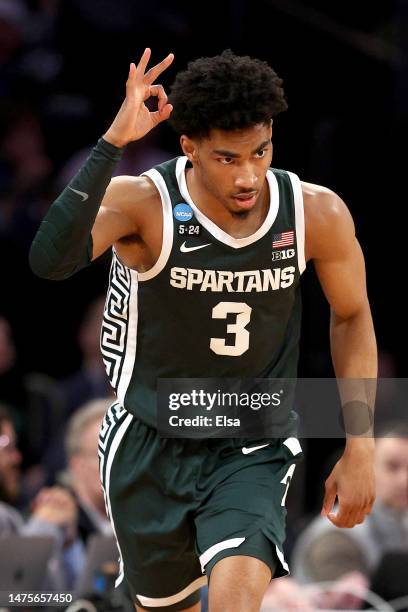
(241, 344)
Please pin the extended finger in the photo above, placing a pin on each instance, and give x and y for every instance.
(144, 60)
(130, 83)
(155, 71)
(158, 91)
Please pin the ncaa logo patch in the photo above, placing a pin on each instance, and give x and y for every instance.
(182, 212)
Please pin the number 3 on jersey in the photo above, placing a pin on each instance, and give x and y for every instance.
(241, 344)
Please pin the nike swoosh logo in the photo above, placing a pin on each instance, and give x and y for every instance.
(246, 450)
(83, 195)
(185, 249)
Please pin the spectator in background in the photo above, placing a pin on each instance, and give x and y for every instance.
(87, 383)
(10, 460)
(81, 444)
(83, 481)
(90, 381)
(12, 390)
(286, 594)
(54, 512)
(23, 145)
(325, 553)
(26, 170)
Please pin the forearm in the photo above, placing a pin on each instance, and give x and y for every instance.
(354, 355)
(63, 243)
(353, 345)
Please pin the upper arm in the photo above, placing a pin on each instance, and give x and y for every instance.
(121, 212)
(336, 253)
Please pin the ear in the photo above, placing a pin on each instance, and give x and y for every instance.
(189, 147)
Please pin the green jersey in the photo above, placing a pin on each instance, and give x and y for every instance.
(212, 305)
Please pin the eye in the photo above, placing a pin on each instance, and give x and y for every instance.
(261, 153)
(226, 161)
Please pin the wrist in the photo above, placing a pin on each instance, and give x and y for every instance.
(360, 444)
(114, 140)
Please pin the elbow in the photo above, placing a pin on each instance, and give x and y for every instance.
(39, 263)
(43, 267)
(57, 261)
(350, 314)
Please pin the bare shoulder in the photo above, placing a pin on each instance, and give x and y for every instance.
(125, 203)
(122, 215)
(124, 191)
(329, 225)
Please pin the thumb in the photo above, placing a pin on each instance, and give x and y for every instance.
(162, 115)
(329, 498)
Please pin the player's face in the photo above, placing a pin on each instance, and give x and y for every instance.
(391, 470)
(231, 166)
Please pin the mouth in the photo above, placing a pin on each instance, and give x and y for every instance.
(246, 200)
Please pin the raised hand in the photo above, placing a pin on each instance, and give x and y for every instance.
(134, 119)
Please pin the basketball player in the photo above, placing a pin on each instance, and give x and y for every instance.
(213, 234)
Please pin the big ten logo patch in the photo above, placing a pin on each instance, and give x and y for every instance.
(285, 254)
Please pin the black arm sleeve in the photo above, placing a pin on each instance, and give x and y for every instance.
(63, 243)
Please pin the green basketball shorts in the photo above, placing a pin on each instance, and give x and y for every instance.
(177, 506)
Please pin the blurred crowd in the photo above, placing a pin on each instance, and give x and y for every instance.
(62, 69)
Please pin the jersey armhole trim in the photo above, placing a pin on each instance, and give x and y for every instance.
(167, 238)
(300, 219)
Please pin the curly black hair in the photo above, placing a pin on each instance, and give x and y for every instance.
(226, 92)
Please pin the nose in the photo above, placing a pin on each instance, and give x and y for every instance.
(245, 179)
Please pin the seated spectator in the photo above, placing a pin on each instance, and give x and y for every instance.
(54, 512)
(324, 552)
(83, 481)
(82, 476)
